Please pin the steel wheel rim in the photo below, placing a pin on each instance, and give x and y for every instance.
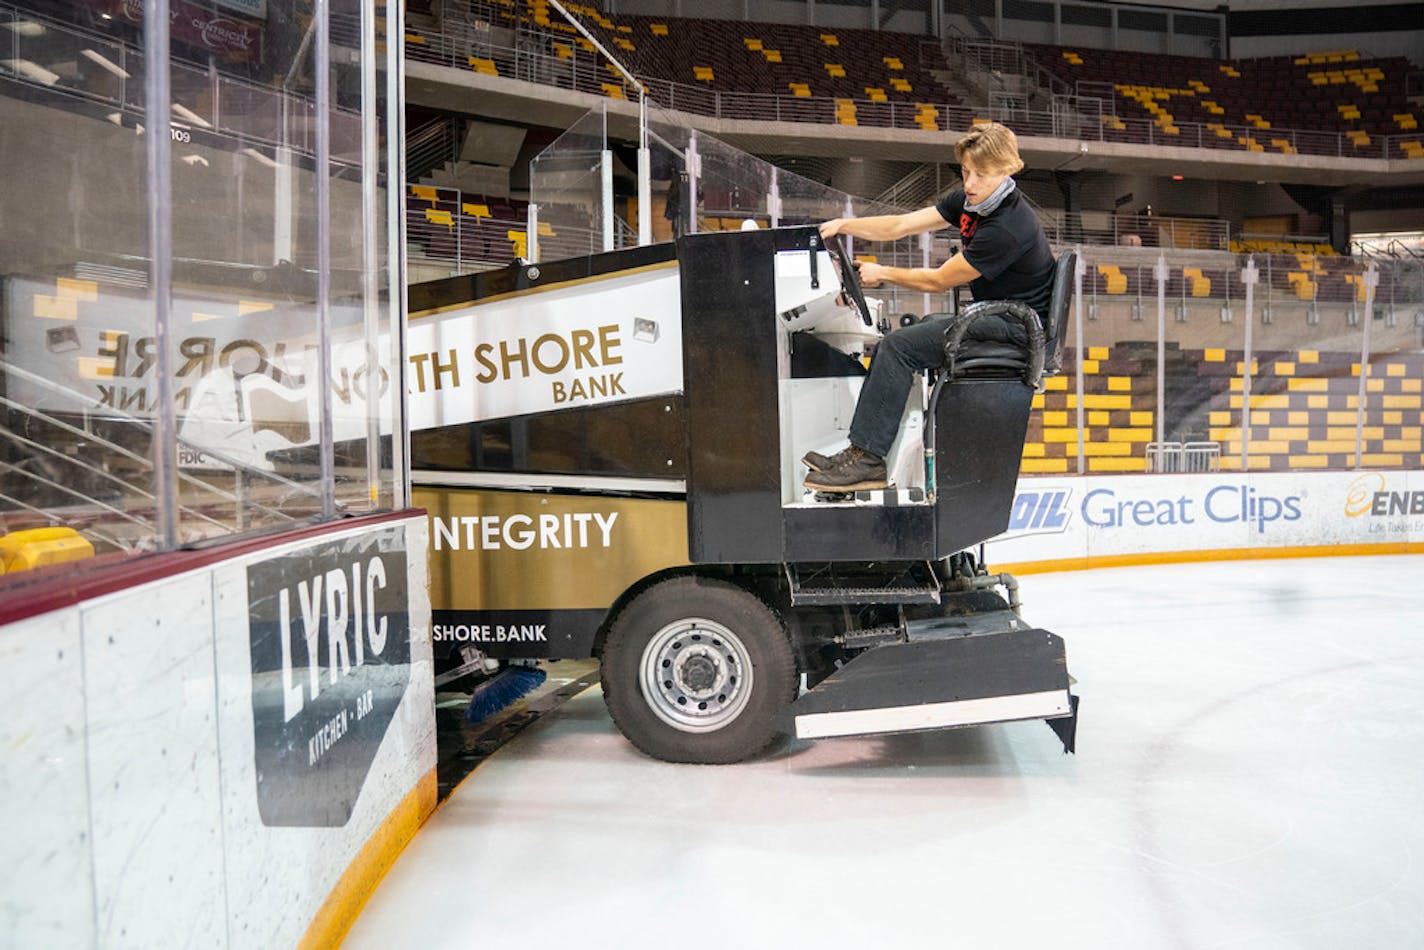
(696, 675)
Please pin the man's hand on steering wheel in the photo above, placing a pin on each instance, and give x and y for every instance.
(870, 273)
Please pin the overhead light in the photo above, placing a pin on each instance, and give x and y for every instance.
(194, 160)
(115, 118)
(25, 27)
(105, 63)
(254, 154)
(193, 117)
(1176, 177)
(30, 70)
(105, 16)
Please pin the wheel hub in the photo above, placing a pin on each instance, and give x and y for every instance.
(696, 675)
(699, 673)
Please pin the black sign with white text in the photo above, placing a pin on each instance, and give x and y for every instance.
(330, 634)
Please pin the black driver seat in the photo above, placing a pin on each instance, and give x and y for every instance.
(966, 356)
(984, 394)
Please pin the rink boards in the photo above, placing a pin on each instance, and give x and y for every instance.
(228, 745)
(1104, 521)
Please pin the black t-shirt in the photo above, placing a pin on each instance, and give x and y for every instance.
(1007, 247)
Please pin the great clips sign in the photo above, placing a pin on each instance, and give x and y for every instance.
(1079, 519)
(330, 643)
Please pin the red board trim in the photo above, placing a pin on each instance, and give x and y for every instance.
(64, 585)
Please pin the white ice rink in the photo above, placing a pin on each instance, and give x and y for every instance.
(1250, 773)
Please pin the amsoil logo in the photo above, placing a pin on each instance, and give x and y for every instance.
(1368, 496)
(330, 635)
(1040, 512)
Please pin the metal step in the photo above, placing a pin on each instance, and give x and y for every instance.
(828, 584)
(942, 683)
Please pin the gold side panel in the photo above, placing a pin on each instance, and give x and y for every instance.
(516, 550)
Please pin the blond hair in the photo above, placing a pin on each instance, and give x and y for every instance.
(993, 148)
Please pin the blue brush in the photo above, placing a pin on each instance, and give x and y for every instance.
(502, 689)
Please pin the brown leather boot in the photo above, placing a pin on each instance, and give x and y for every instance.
(817, 462)
(858, 471)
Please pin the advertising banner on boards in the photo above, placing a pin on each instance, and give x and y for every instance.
(330, 640)
(1078, 519)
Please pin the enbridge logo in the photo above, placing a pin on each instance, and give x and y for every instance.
(1360, 495)
(1370, 495)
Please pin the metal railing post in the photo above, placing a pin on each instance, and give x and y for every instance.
(1249, 276)
(1371, 281)
(1079, 270)
(1160, 271)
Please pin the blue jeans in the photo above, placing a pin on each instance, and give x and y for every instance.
(892, 370)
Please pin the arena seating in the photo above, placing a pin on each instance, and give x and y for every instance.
(448, 225)
(1252, 104)
(851, 66)
(1119, 403)
(1303, 409)
(1321, 103)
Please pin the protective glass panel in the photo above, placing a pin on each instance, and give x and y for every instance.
(244, 317)
(1305, 379)
(1304, 388)
(566, 184)
(80, 373)
(1394, 406)
(1113, 364)
(77, 314)
(363, 396)
(698, 183)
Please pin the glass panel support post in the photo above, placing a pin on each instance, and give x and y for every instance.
(158, 94)
(1250, 276)
(1370, 279)
(1160, 271)
(321, 14)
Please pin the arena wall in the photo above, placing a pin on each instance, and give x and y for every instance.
(176, 773)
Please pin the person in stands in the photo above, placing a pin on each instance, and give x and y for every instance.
(1004, 255)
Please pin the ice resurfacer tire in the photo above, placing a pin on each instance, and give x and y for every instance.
(697, 670)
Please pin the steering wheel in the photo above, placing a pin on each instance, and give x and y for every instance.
(850, 278)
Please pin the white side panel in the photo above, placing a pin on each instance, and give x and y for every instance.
(259, 857)
(589, 343)
(816, 415)
(153, 765)
(964, 712)
(46, 892)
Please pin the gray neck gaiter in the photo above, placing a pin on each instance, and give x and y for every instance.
(987, 206)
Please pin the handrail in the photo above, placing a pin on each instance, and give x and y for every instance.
(430, 146)
(914, 188)
(578, 71)
(10, 370)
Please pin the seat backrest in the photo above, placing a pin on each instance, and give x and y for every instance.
(1055, 324)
